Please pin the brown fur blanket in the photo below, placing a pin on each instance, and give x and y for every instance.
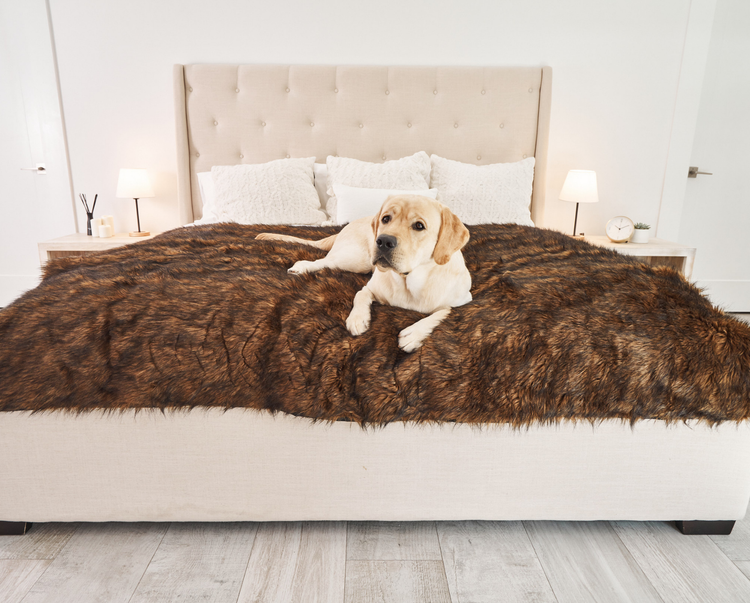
(208, 316)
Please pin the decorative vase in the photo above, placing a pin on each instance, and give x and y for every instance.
(641, 235)
(90, 216)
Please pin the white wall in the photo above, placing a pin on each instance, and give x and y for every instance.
(615, 65)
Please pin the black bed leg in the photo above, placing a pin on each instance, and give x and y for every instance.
(14, 528)
(705, 528)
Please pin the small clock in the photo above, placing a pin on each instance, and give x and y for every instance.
(619, 229)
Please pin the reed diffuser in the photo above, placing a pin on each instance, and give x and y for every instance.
(89, 212)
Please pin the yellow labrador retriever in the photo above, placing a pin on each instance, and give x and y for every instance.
(415, 245)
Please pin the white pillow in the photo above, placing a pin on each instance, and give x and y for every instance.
(355, 202)
(409, 174)
(208, 192)
(320, 176)
(277, 192)
(208, 197)
(485, 194)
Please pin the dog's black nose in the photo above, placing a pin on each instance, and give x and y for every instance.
(386, 242)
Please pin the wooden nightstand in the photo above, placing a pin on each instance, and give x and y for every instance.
(656, 252)
(82, 244)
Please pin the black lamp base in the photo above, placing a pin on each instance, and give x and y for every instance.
(139, 233)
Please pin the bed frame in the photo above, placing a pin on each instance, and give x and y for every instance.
(247, 465)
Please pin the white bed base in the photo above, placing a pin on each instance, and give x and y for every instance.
(247, 465)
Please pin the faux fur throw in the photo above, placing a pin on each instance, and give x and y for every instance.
(208, 316)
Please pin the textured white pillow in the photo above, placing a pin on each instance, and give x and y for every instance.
(355, 202)
(278, 192)
(409, 174)
(485, 194)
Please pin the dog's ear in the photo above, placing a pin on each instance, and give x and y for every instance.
(376, 219)
(375, 222)
(453, 236)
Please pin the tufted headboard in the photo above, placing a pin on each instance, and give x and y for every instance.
(232, 114)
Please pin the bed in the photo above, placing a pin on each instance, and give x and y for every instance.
(211, 462)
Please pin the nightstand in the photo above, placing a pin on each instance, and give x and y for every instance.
(82, 244)
(656, 252)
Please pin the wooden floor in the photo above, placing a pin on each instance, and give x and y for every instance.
(466, 562)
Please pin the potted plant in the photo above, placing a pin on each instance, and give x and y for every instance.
(641, 233)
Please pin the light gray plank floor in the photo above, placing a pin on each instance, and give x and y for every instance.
(362, 562)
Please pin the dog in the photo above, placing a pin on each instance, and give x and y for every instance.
(413, 248)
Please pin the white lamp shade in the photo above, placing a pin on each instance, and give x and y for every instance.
(580, 187)
(134, 184)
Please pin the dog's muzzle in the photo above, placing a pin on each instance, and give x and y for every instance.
(385, 244)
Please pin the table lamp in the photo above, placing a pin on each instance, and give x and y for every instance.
(134, 184)
(579, 187)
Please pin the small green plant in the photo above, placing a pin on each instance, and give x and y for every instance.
(642, 226)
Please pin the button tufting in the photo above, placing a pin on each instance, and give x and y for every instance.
(434, 91)
(335, 89)
(383, 157)
(387, 91)
(455, 125)
(312, 125)
(408, 125)
(502, 125)
(287, 89)
(524, 155)
(484, 91)
(242, 156)
(531, 90)
(236, 89)
(197, 154)
(287, 155)
(479, 157)
(216, 123)
(263, 124)
(361, 125)
(190, 89)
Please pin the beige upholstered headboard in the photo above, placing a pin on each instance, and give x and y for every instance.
(232, 114)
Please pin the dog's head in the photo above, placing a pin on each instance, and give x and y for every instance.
(411, 230)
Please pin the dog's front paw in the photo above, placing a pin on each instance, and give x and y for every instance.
(358, 322)
(301, 267)
(411, 338)
(266, 236)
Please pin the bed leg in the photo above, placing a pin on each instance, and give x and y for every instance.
(14, 528)
(705, 528)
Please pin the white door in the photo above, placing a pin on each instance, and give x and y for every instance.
(716, 213)
(33, 207)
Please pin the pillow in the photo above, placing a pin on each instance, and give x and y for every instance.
(355, 202)
(320, 177)
(485, 194)
(408, 174)
(208, 192)
(277, 192)
(208, 197)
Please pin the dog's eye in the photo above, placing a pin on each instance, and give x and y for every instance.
(417, 226)
(386, 219)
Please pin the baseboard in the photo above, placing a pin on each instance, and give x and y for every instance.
(13, 285)
(729, 295)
